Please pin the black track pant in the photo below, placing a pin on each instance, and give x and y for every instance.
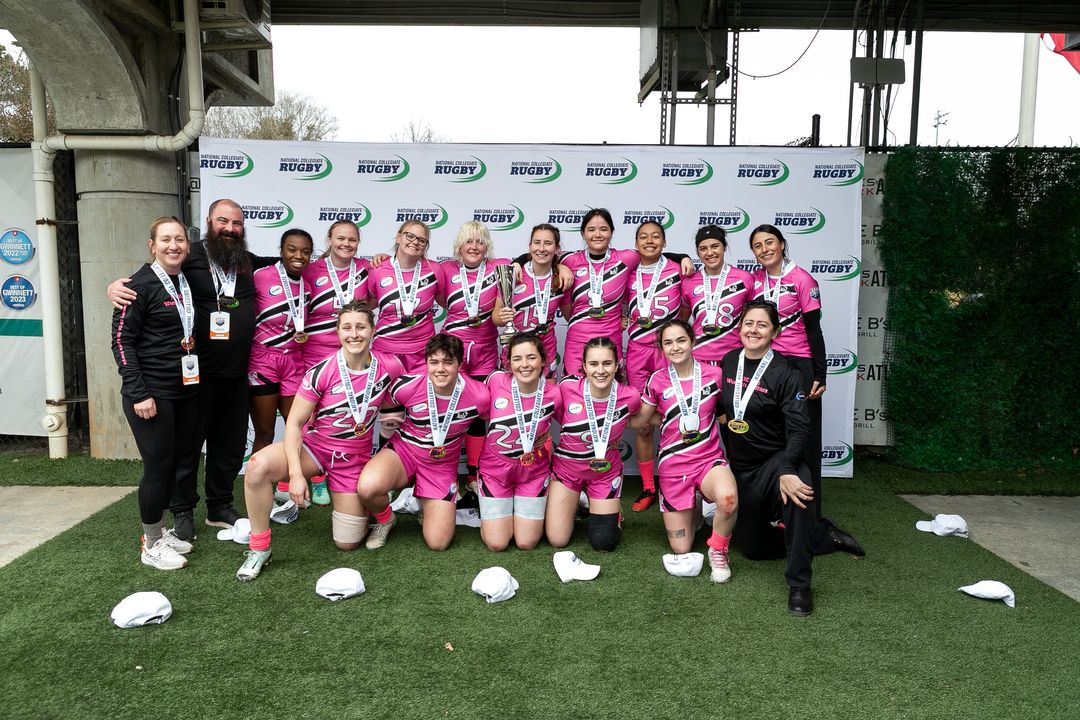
(803, 535)
(162, 441)
(223, 424)
(812, 454)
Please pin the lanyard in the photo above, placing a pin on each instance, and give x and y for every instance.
(472, 294)
(772, 294)
(440, 427)
(407, 295)
(713, 293)
(358, 411)
(645, 297)
(542, 294)
(346, 296)
(687, 408)
(224, 282)
(738, 402)
(296, 305)
(184, 306)
(596, 279)
(600, 435)
(527, 430)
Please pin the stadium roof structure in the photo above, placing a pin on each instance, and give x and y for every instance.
(1025, 16)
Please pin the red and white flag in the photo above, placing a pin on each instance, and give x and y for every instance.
(1072, 56)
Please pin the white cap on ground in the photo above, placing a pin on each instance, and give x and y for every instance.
(141, 608)
(684, 564)
(285, 513)
(339, 584)
(405, 502)
(469, 517)
(569, 567)
(495, 584)
(944, 525)
(991, 590)
(240, 532)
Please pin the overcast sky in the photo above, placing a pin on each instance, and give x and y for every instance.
(579, 85)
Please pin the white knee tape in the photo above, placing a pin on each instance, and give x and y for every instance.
(496, 508)
(530, 508)
(348, 528)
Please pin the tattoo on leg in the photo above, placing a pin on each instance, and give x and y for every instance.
(677, 533)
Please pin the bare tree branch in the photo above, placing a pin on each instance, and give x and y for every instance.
(292, 117)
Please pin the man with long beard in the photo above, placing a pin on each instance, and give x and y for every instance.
(219, 271)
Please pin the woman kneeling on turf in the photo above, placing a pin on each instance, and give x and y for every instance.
(516, 458)
(439, 407)
(686, 394)
(596, 410)
(339, 401)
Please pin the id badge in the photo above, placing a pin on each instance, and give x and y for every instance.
(219, 325)
(189, 369)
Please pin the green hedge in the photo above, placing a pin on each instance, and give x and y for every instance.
(982, 254)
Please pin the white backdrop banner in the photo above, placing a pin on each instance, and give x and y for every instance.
(812, 194)
(22, 378)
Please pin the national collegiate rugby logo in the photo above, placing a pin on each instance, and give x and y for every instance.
(232, 165)
(383, 170)
(306, 168)
(536, 172)
(270, 216)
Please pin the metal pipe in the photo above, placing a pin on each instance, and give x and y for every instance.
(815, 130)
(1029, 84)
(44, 150)
(913, 138)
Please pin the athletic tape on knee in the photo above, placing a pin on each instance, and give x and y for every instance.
(604, 531)
(348, 529)
(496, 508)
(530, 508)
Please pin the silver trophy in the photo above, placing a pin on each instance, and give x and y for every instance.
(504, 281)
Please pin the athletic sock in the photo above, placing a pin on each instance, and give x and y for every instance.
(383, 516)
(283, 486)
(473, 446)
(153, 532)
(260, 541)
(647, 481)
(718, 542)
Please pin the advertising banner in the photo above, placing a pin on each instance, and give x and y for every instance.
(814, 195)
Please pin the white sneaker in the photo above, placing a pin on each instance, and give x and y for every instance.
(182, 547)
(253, 564)
(721, 567)
(161, 555)
(379, 532)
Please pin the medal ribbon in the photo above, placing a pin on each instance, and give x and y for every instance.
(184, 306)
(600, 435)
(224, 282)
(407, 295)
(296, 306)
(345, 296)
(542, 294)
(772, 294)
(645, 297)
(472, 294)
(358, 412)
(712, 294)
(439, 427)
(691, 407)
(596, 280)
(527, 430)
(738, 402)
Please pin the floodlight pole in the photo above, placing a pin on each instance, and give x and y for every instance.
(1029, 83)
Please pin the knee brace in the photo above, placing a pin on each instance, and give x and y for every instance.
(604, 531)
(348, 529)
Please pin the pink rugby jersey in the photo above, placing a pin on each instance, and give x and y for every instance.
(392, 334)
(273, 320)
(325, 302)
(502, 435)
(799, 294)
(527, 309)
(736, 292)
(332, 418)
(458, 317)
(415, 431)
(666, 299)
(678, 456)
(575, 449)
(615, 272)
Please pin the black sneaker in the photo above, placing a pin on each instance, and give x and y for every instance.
(468, 501)
(222, 517)
(184, 525)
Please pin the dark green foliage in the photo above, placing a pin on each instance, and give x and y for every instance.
(982, 251)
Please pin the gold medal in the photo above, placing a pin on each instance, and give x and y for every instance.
(711, 329)
(596, 312)
(542, 329)
(228, 301)
(188, 343)
(410, 320)
(738, 426)
(437, 453)
(528, 458)
(359, 429)
(644, 322)
(691, 437)
(300, 337)
(599, 465)
(475, 322)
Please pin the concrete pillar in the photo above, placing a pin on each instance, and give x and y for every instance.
(120, 194)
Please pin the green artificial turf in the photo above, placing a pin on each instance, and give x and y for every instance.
(890, 637)
(17, 468)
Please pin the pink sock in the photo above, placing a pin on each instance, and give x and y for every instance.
(718, 542)
(473, 446)
(260, 541)
(647, 481)
(283, 486)
(317, 480)
(383, 516)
